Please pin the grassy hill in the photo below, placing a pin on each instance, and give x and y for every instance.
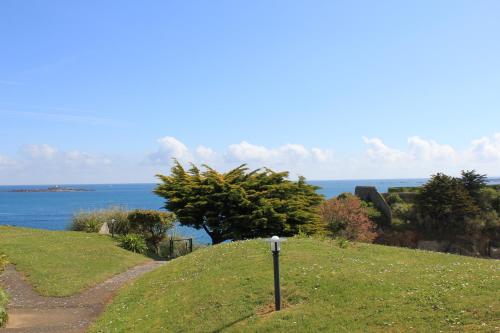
(61, 263)
(364, 287)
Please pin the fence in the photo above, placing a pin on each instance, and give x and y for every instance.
(179, 246)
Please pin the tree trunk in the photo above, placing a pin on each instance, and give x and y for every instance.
(214, 236)
(217, 239)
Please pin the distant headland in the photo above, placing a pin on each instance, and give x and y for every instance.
(51, 189)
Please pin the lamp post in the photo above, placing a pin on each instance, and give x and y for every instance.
(275, 249)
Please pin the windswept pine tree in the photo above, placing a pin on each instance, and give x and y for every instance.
(240, 204)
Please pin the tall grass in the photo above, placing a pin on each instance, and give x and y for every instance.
(92, 220)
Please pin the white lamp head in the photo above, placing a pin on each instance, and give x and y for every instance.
(275, 243)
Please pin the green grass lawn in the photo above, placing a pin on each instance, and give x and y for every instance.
(61, 263)
(362, 288)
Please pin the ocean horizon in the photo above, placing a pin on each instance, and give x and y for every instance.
(53, 210)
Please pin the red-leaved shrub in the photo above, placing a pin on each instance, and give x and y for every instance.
(345, 216)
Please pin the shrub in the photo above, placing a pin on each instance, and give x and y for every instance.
(152, 224)
(393, 198)
(91, 221)
(403, 211)
(347, 217)
(398, 224)
(85, 221)
(134, 243)
(489, 198)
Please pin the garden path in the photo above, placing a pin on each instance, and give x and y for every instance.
(29, 312)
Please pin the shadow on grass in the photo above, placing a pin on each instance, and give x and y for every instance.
(232, 323)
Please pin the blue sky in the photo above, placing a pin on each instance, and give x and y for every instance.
(96, 91)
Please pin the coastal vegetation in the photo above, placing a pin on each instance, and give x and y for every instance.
(92, 220)
(152, 225)
(61, 263)
(49, 189)
(331, 279)
(240, 204)
(140, 230)
(325, 288)
(133, 242)
(463, 212)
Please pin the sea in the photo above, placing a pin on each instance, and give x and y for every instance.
(53, 210)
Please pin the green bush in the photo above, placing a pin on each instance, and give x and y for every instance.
(375, 214)
(489, 199)
(393, 198)
(134, 243)
(91, 221)
(152, 224)
(399, 224)
(403, 211)
(403, 189)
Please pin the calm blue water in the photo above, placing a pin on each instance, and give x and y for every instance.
(53, 210)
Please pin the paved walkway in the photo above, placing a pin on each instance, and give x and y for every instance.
(29, 312)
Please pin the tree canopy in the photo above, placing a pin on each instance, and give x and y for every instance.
(474, 183)
(240, 204)
(444, 204)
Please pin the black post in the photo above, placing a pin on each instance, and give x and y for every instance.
(190, 245)
(277, 291)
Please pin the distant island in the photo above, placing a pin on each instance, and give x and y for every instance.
(51, 189)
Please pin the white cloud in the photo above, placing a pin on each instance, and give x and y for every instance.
(421, 157)
(6, 161)
(378, 151)
(170, 148)
(291, 156)
(486, 149)
(430, 149)
(322, 155)
(424, 157)
(288, 153)
(205, 153)
(44, 154)
(42, 151)
(76, 158)
(247, 151)
(45, 164)
(292, 152)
